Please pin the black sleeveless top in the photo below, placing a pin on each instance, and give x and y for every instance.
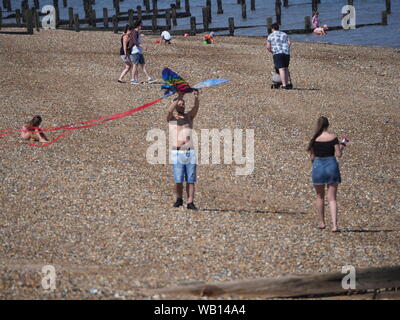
(121, 50)
(325, 148)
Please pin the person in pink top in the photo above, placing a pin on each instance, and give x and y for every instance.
(31, 131)
(315, 21)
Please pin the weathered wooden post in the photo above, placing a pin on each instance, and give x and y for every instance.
(70, 17)
(155, 8)
(57, 8)
(36, 4)
(205, 18)
(168, 19)
(173, 14)
(278, 11)
(154, 23)
(208, 5)
(253, 5)
(307, 23)
(1, 17)
(231, 23)
(36, 23)
(384, 18)
(388, 7)
(93, 18)
(178, 4)
(219, 6)
(76, 22)
(29, 21)
(115, 23)
(269, 25)
(130, 17)
(187, 6)
(147, 5)
(117, 10)
(244, 9)
(193, 30)
(65, 3)
(139, 12)
(314, 5)
(105, 17)
(18, 17)
(286, 3)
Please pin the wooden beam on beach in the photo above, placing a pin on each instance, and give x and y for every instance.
(18, 17)
(253, 5)
(114, 20)
(117, 8)
(193, 30)
(1, 17)
(76, 22)
(269, 25)
(307, 23)
(139, 12)
(384, 18)
(155, 8)
(29, 21)
(205, 18)
(231, 23)
(173, 14)
(105, 17)
(36, 4)
(154, 23)
(244, 9)
(314, 6)
(65, 3)
(70, 17)
(388, 7)
(286, 3)
(130, 17)
(178, 4)
(208, 6)
(35, 16)
(146, 4)
(187, 6)
(289, 286)
(93, 18)
(168, 20)
(220, 10)
(278, 11)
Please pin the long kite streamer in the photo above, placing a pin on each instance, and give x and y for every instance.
(172, 83)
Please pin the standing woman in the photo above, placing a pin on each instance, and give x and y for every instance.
(137, 57)
(125, 51)
(324, 147)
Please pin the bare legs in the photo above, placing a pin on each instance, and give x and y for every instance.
(319, 204)
(284, 73)
(128, 67)
(189, 191)
(139, 68)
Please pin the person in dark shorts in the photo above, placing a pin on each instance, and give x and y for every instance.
(136, 56)
(279, 45)
(324, 147)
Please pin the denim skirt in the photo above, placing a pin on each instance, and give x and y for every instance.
(325, 171)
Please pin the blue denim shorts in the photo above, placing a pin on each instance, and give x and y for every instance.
(184, 165)
(137, 58)
(325, 171)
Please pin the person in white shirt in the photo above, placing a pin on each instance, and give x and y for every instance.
(166, 37)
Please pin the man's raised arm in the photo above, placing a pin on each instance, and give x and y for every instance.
(192, 114)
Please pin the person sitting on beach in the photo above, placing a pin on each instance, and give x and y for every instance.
(321, 31)
(31, 131)
(315, 20)
(279, 45)
(183, 157)
(166, 37)
(323, 148)
(137, 57)
(125, 51)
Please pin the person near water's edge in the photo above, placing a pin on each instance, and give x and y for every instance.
(278, 44)
(136, 56)
(323, 148)
(182, 156)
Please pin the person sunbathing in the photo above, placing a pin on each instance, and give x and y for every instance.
(31, 131)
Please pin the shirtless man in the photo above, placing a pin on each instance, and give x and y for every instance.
(183, 158)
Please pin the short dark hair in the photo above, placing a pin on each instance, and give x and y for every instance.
(275, 26)
(137, 24)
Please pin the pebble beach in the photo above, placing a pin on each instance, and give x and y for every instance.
(94, 208)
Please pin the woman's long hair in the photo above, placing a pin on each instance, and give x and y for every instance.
(322, 125)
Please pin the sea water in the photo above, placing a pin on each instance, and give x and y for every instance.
(367, 11)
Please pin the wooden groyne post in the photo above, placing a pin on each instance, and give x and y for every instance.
(286, 3)
(29, 21)
(307, 23)
(244, 9)
(388, 7)
(278, 11)
(205, 18)
(231, 23)
(314, 6)
(76, 22)
(173, 14)
(146, 4)
(114, 20)
(105, 17)
(139, 12)
(219, 6)
(187, 6)
(384, 18)
(269, 25)
(70, 17)
(193, 30)
(253, 5)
